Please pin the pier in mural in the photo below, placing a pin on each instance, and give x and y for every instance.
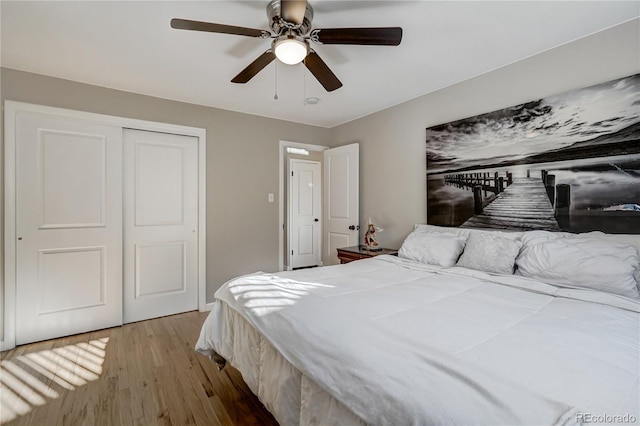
(568, 162)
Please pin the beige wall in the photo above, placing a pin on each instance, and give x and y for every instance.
(242, 164)
(392, 142)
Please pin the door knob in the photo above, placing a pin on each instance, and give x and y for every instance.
(316, 220)
(354, 227)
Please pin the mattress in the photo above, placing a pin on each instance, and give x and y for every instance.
(390, 341)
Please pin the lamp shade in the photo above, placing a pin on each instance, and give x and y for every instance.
(291, 49)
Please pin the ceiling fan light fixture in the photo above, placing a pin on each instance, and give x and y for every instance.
(291, 49)
(290, 23)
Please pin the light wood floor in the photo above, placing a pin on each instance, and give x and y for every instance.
(146, 373)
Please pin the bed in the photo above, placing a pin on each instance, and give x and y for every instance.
(463, 327)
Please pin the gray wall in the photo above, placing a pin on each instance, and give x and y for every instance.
(242, 163)
(392, 142)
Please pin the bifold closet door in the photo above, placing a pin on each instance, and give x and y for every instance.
(160, 224)
(68, 227)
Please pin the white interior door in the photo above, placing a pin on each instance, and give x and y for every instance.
(160, 224)
(68, 227)
(305, 210)
(341, 189)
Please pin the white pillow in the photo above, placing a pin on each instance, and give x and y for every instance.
(579, 261)
(490, 253)
(433, 248)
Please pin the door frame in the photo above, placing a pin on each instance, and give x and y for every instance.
(11, 111)
(282, 152)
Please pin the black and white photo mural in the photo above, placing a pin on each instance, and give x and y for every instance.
(568, 162)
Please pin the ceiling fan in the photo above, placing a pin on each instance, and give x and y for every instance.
(290, 23)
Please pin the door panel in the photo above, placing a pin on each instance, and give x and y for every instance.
(341, 176)
(160, 224)
(305, 210)
(338, 240)
(159, 184)
(73, 196)
(306, 240)
(73, 271)
(160, 268)
(69, 227)
(339, 186)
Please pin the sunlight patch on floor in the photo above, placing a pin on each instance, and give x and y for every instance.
(34, 378)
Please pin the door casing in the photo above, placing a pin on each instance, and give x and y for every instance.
(282, 151)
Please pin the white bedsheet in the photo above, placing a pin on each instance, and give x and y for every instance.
(398, 342)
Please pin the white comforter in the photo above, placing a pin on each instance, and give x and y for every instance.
(399, 342)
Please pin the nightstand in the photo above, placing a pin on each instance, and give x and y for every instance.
(349, 254)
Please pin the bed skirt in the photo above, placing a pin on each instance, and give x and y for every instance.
(289, 395)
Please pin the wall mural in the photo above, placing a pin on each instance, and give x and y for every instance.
(568, 162)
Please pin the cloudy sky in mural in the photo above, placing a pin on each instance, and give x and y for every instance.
(535, 127)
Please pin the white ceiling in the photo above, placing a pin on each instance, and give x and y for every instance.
(129, 46)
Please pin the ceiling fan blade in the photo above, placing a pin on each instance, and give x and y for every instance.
(293, 10)
(254, 67)
(321, 71)
(389, 36)
(186, 24)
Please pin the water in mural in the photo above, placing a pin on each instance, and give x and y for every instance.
(567, 162)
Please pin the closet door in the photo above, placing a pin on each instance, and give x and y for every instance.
(160, 224)
(68, 227)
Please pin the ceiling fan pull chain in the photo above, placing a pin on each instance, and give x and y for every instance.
(275, 96)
